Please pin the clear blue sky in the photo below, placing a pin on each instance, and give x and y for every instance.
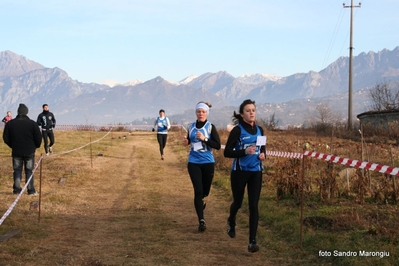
(122, 40)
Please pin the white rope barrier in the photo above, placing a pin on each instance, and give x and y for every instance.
(81, 147)
(9, 210)
(331, 158)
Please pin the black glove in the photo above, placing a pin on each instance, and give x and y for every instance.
(153, 129)
(165, 127)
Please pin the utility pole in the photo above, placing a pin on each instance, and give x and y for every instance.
(350, 64)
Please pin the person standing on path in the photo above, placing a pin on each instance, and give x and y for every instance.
(23, 136)
(161, 125)
(203, 137)
(46, 120)
(246, 170)
(7, 118)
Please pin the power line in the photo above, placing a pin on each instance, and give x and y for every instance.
(350, 64)
(333, 38)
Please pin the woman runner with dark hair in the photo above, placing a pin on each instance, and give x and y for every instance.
(246, 171)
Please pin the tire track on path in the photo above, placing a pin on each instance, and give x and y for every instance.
(134, 209)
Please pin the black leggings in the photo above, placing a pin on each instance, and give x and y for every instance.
(162, 141)
(48, 134)
(253, 181)
(201, 176)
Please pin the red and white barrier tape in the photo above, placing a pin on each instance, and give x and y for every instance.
(329, 158)
(284, 154)
(390, 170)
(385, 169)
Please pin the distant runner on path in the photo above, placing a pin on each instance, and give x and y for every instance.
(161, 126)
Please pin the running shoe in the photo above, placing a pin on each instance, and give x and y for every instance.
(231, 229)
(202, 225)
(253, 247)
(50, 149)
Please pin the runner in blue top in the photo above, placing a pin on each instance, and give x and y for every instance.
(161, 126)
(203, 137)
(247, 168)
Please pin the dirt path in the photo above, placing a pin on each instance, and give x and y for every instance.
(135, 209)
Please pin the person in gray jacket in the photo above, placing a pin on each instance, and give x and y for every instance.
(23, 136)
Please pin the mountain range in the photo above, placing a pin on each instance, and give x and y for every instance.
(290, 98)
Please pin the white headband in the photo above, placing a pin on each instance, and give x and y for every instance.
(202, 106)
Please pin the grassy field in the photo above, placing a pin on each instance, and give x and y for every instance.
(350, 220)
(342, 225)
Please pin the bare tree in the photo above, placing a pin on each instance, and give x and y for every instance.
(323, 117)
(385, 96)
(324, 114)
(270, 123)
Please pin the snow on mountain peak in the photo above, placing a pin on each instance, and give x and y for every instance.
(188, 79)
(133, 82)
(257, 78)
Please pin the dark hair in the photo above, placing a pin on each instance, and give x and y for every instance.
(162, 110)
(44, 105)
(237, 118)
(207, 103)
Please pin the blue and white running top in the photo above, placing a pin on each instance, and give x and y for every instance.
(249, 162)
(200, 153)
(162, 125)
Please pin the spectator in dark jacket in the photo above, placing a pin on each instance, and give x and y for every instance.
(23, 136)
(46, 121)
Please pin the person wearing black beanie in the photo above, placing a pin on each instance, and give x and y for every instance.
(46, 120)
(22, 109)
(23, 136)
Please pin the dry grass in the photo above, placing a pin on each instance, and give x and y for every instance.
(131, 208)
(122, 205)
